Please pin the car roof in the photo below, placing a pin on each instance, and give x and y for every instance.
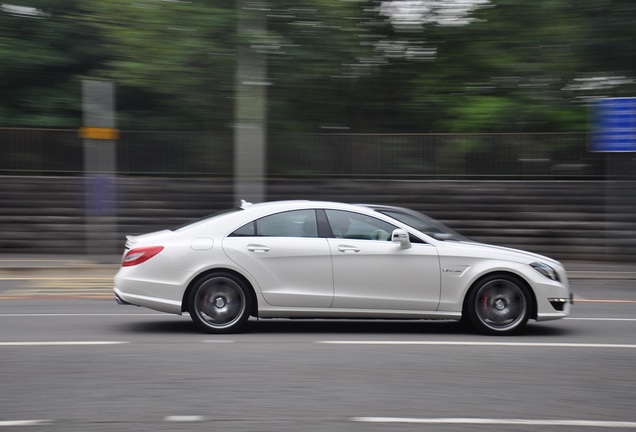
(300, 204)
(236, 219)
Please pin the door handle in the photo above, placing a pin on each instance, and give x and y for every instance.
(257, 248)
(348, 249)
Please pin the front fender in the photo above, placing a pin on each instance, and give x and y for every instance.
(457, 278)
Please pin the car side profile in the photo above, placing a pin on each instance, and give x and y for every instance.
(312, 259)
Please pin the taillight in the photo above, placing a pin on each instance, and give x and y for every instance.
(139, 255)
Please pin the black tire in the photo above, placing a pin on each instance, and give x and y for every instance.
(220, 303)
(498, 305)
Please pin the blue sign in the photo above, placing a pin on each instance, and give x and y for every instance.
(614, 125)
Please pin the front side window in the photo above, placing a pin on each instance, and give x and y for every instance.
(297, 223)
(357, 226)
(424, 224)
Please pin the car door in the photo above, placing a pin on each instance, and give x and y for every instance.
(285, 256)
(372, 272)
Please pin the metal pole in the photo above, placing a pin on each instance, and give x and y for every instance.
(250, 107)
(100, 166)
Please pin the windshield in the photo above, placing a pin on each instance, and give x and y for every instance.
(425, 224)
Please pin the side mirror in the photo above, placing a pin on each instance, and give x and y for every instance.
(401, 237)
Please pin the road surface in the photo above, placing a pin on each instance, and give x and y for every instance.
(73, 360)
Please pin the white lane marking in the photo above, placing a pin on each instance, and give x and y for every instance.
(25, 422)
(601, 319)
(222, 341)
(63, 343)
(31, 315)
(184, 419)
(508, 422)
(459, 343)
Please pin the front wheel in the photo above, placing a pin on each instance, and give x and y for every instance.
(220, 303)
(498, 305)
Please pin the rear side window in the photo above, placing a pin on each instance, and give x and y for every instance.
(248, 230)
(296, 223)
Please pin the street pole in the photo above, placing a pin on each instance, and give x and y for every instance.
(250, 128)
(100, 165)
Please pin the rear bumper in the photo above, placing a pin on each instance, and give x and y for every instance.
(158, 304)
(121, 301)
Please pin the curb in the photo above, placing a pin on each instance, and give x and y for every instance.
(599, 275)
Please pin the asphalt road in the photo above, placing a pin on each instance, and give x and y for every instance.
(76, 362)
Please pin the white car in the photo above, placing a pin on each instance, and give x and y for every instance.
(308, 259)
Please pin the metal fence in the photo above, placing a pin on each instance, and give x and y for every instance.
(497, 156)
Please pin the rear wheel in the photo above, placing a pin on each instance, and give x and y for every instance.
(498, 305)
(220, 303)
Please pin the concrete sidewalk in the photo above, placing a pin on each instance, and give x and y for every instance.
(56, 261)
(109, 264)
(600, 270)
(56, 266)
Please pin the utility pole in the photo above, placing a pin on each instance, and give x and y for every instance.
(250, 127)
(100, 166)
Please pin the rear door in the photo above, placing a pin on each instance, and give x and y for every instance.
(284, 254)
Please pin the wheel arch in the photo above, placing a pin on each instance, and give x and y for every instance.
(517, 277)
(195, 280)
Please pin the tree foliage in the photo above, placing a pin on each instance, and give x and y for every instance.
(353, 65)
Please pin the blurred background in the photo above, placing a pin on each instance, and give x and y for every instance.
(480, 113)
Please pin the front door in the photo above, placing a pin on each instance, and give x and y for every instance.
(371, 272)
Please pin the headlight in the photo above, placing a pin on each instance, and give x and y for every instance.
(546, 271)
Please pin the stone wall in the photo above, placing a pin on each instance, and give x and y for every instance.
(568, 220)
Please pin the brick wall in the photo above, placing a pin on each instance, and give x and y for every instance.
(568, 220)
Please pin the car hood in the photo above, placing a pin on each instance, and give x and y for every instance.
(486, 250)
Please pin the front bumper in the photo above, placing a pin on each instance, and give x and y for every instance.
(559, 303)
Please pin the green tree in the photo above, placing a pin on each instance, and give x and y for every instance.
(41, 61)
(360, 66)
(173, 62)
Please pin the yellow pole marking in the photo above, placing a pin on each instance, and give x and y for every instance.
(99, 133)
